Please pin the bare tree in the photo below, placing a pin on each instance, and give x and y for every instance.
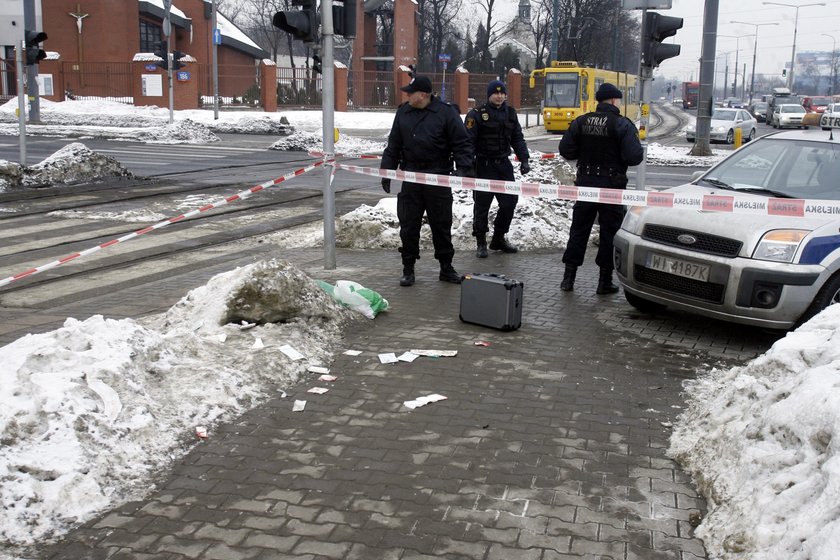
(437, 25)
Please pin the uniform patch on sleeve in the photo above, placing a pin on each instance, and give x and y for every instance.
(470, 122)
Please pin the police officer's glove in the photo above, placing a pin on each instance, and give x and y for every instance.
(524, 168)
(386, 185)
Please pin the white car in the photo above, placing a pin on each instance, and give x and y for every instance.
(788, 115)
(723, 126)
(755, 267)
(830, 117)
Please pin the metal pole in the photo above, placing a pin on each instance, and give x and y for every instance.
(31, 69)
(752, 77)
(707, 79)
(167, 32)
(555, 7)
(645, 74)
(833, 65)
(21, 102)
(735, 81)
(328, 110)
(793, 51)
(215, 67)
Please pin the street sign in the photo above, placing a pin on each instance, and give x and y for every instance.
(444, 58)
(646, 4)
(183, 76)
(150, 67)
(217, 36)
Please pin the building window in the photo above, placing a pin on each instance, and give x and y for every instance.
(149, 35)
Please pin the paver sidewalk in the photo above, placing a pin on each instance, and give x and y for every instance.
(550, 444)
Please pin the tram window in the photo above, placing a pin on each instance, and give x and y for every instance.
(562, 90)
(584, 88)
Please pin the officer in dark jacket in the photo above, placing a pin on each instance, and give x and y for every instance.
(428, 136)
(494, 129)
(604, 143)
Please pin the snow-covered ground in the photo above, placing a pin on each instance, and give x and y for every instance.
(90, 411)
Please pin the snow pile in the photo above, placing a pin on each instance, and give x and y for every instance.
(74, 163)
(762, 442)
(180, 132)
(658, 154)
(302, 141)
(94, 410)
(254, 124)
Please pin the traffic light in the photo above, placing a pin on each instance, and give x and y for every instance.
(162, 52)
(34, 53)
(316, 64)
(176, 60)
(784, 72)
(344, 19)
(657, 29)
(301, 24)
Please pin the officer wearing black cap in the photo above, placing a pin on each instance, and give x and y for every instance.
(604, 143)
(494, 129)
(427, 136)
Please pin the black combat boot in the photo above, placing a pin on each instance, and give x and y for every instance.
(499, 243)
(568, 283)
(481, 245)
(449, 274)
(407, 278)
(605, 285)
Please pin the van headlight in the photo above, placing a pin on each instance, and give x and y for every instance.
(779, 245)
(633, 220)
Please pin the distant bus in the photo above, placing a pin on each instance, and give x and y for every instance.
(570, 92)
(690, 94)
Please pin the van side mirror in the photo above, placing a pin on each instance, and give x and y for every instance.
(696, 175)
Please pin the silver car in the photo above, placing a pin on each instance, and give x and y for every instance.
(723, 126)
(754, 268)
(788, 115)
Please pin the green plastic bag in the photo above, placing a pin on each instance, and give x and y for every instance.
(356, 297)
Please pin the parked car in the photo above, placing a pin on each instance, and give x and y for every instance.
(759, 111)
(723, 125)
(733, 103)
(830, 117)
(755, 268)
(788, 115)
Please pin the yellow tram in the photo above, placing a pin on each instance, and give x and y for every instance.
(570, 92)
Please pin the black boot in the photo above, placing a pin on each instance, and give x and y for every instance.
(568, 283)
(449, 274)
(605, 285)
(407, 278)
(481, 244)
(499, 243)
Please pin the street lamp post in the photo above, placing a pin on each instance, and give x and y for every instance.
(795, 25)
(833, 65)
(737, 50)
(755, 50)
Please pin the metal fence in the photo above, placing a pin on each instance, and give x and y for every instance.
(110, 81)
(372, 89)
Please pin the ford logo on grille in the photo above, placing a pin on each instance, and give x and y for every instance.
(686, 239)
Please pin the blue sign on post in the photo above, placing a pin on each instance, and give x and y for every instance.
(183, 76)
(444, 58)
(217, 36)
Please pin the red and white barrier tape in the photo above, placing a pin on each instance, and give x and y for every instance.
(540, 155)
(238, 196)
(735, 203)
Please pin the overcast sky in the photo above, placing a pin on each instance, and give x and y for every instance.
(774, 41)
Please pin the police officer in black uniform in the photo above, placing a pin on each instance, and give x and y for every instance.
(494, 129)
(605, 143)
(427, 136)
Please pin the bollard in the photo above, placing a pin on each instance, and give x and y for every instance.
(739, 136)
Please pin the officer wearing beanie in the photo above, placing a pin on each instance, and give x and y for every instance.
(427, 136)
(604, 143)
(494, 130)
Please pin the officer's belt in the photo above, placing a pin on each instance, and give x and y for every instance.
(597, 171)
(493, 159)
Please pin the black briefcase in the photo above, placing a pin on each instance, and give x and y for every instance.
(491, 300)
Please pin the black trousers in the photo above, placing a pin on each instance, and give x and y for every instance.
(500, 168)
(413, 201)
(583, 217)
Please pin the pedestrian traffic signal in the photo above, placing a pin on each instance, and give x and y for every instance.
(162, 52)
(34, 52)
(344, 19)
(177, 64)
(657, 29)
(316, 64)
(301, 24)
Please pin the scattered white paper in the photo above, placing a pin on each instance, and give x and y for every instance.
(327, 377)
(222, 337)
(317, 390)
(198, 325)
(291, 352)
(201, 432)
(435, 353)
(407, 357)
(388, 358)
(298, 406)
(318, 369)
(246, 325)
(282, 394)
(352, 352)
(258, 343)
(423, 401)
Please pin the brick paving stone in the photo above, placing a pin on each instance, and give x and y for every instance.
(545, 449)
